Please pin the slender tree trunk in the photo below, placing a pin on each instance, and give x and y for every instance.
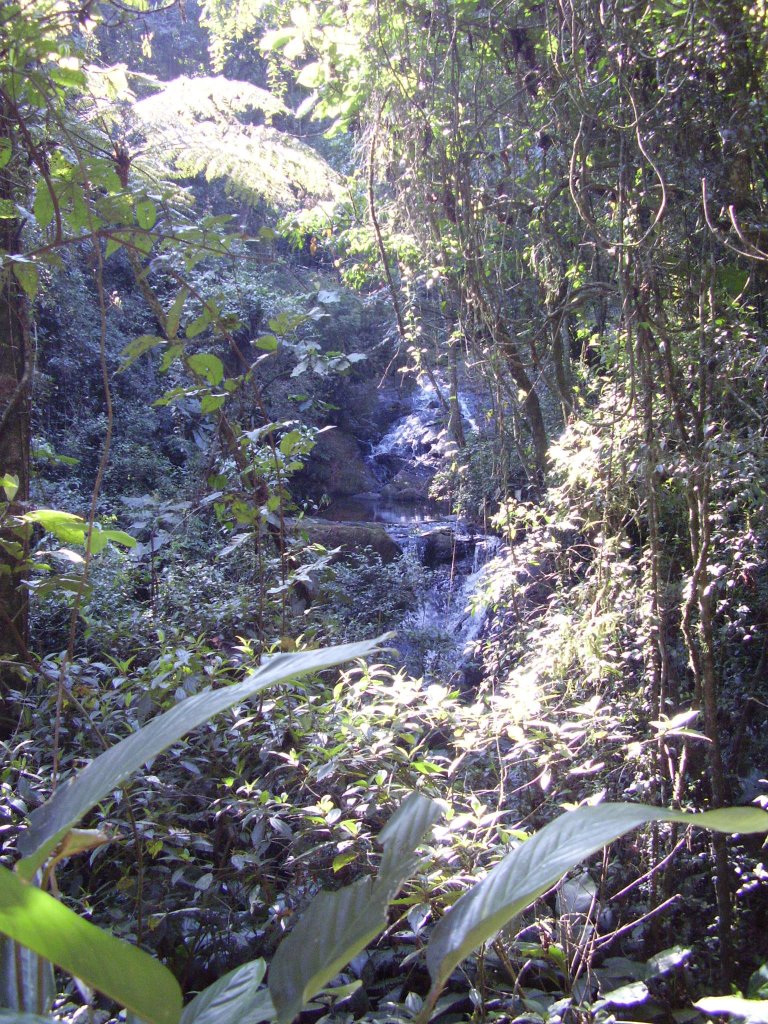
(530, 401)
(455, 426)
(560, 352)
(15, 382)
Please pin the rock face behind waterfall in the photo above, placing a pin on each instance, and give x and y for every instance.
(385, 443)
(444, 546)
(337, 466)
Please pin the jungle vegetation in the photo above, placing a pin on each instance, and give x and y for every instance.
(235, 237)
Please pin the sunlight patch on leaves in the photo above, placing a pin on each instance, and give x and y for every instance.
(192, 128)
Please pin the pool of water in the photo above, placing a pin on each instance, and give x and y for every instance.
(382, 510)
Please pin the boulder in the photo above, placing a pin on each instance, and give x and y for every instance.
(337, 466)
(442, 546)
(352, 538)
(411, 483)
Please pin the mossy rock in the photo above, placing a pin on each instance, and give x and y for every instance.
(352, 538)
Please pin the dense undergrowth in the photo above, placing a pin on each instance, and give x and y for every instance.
(225, 840)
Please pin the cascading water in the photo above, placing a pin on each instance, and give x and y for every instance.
(414, 436)
(436, 637)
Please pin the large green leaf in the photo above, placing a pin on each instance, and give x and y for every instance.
(10, 484)
(754, 1011)
(72, 529)
(337, 925)
(123, 972)
(75, 797)
(539, 862)
(208, 366)
(234, 999)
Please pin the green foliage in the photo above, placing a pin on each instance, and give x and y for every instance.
(363, 595)
(540, 207)
(536, 865)
(72, 529)
(234, 998)
(192, 128)
(41, 923)
(49, 824)
(338, 925)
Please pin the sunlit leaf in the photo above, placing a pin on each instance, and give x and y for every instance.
(755, 1011)
(123, 972)
(268, 342)
(277, 39)
(10, 484)
(538, 863)
(69, 78)
(627, 995)
(65, 526)
(311, 75)
(72, 529)
(208, 366)
(667, 960)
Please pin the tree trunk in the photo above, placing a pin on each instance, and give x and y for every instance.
(15, 381)
(455, 425)
(530, 403)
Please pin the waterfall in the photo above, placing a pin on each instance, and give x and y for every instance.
(437, 638)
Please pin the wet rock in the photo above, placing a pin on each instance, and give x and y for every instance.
(337, 466)
(442, 546)
(368, 412)
(352, 538)
(388, 465)
(471, 675)
(411, 483)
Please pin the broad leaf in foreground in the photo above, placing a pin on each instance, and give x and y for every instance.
(234, 999)
(539, 862)
(123, 972)
(753, 1011)
(51, 822)
(337, 925)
